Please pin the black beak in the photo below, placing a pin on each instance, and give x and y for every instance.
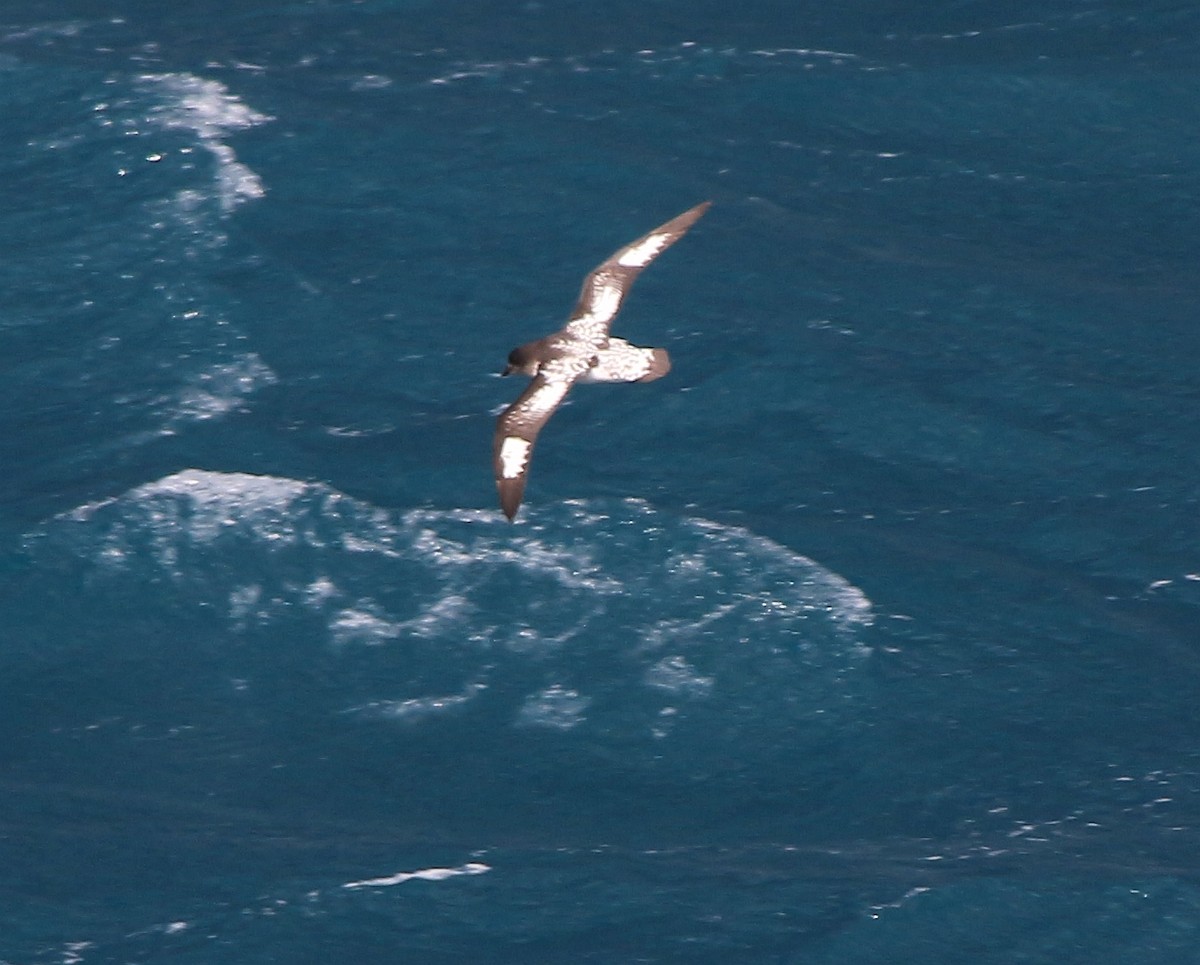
(508, 369)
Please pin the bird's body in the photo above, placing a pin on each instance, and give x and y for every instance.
(582, 351)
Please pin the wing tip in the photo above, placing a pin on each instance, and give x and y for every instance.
(692, 215)
(678, 226)
(511, 491)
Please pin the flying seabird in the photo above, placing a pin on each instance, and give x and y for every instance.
(581, 351)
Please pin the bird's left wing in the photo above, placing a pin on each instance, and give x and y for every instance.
(605, 288)
(516, 430)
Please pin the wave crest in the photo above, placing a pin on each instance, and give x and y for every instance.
(614, 620)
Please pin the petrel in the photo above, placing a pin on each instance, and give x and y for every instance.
(581, 351)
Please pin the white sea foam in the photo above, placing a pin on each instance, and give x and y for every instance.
(320, 591)
(73, 952)
(188, 508)
(677, 676)
(176, 359)
(671, 62)
(371, 82)
(207, 109)
(367, 623)
(363, 624)
(218, 390)
(630, 621)
(556, 708)
(571, 566)
(415, 708)
(215, 501)
(425, 874)
(244, 603)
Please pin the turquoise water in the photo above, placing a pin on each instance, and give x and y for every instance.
(868, 634)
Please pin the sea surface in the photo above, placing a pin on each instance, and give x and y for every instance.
(870, 634)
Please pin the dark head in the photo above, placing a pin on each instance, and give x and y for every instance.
(524, 360)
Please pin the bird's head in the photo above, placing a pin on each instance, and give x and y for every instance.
(523, 360)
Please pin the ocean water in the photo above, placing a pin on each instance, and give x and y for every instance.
(870, 634)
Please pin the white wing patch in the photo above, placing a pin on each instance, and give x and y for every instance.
(645, 251)
(514, 456)
(603, 303)
(606, 300)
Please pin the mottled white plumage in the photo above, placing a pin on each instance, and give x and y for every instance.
(619, 361)
(582, 351)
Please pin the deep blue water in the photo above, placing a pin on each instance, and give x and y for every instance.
(869, 634)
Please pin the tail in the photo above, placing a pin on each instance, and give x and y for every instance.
(660, 365)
